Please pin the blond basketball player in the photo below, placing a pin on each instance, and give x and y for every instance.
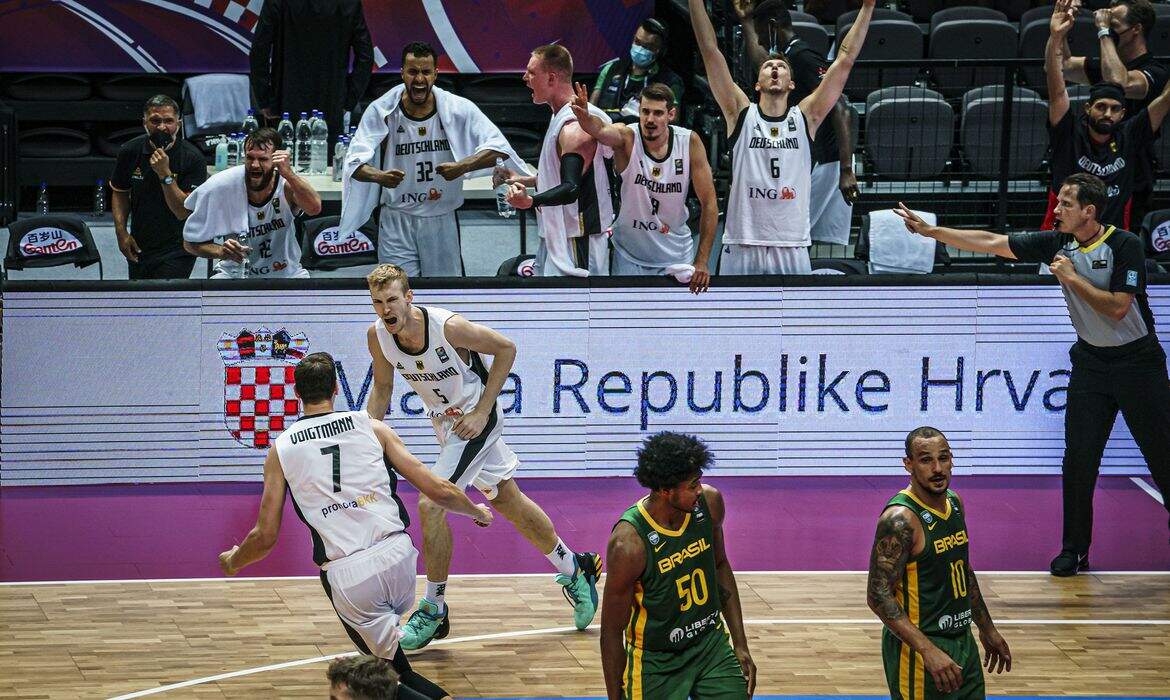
(339, 469)
(441, 355)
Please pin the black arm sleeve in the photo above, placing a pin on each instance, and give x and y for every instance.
(572, 169)
(413, 685)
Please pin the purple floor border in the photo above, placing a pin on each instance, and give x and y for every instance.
(774, 523)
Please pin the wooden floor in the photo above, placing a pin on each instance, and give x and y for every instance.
(812, 634)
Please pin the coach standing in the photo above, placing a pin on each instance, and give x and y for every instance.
(1117, 362)
(153, 174)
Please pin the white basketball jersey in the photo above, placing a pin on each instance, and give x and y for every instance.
(447, 385)
(416, 146)
(272, 236)
(771, 180)
(592, 213)
(651, 227)
(340, 483)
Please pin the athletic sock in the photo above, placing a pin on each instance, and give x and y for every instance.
(562, 558)
(437, 593)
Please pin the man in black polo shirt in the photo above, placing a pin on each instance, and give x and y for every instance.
(1117, 362)
(1102, 141)
(621, 81)
(1122, 31)
(152, 177)
(767, 27)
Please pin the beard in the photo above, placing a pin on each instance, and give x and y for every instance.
(1102, 126)
(259, 184)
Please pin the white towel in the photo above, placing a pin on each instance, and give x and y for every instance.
(893, 249)
(468, 129)
(219, 207)
(218, 98)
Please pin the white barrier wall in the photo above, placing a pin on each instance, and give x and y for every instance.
(130, 386)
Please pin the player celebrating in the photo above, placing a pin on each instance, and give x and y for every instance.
(767, 228)
(668, 582)
(335, 468)
(439, 354)
(923, 588)
(657, 162)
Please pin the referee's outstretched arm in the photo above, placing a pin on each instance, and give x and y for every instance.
(964, 239)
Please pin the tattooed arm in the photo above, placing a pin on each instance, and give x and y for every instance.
(728, 591)
(898, 536)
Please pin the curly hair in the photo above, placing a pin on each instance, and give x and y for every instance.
(667, 459)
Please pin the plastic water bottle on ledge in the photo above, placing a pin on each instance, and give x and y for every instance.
(502, 207)
(339, 152)
(304, 146)
(285, 130)
(250, 123)
(99, 198)
(43, 199)
(319, 145)
(233, 150)
(221, 153)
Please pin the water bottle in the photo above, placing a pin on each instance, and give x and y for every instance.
(43, 199)
(99, 198)
(339, 152)
(319, 150)
(233, 151)
(345, 119)
(303, 153)
(285, 130)
(502, 207)
(250, 122)
(221, 153)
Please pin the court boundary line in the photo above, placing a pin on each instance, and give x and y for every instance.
(558, 630)
(794, 572)
(1145, 486)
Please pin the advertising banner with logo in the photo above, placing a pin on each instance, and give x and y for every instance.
(214, 36)
(194, 385)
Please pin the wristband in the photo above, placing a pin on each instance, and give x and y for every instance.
(1102, 32)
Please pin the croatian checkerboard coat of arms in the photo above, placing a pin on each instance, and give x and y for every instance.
(258, 398)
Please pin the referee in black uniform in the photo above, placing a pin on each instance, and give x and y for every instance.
(1117, 362)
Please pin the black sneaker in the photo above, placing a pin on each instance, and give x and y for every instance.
(1068, 563)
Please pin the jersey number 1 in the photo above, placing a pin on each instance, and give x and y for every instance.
(335, 451)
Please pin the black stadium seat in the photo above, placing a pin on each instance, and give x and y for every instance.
(971, 38)
(887, 39)
(53, 142)
(951, 14)
(54, 87)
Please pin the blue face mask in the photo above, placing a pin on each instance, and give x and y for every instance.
(641, 56)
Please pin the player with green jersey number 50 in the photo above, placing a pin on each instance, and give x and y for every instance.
(671, 622)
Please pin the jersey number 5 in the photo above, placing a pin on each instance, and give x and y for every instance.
(692, 589)
(335, 451)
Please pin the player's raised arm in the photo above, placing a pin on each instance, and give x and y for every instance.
(821, 101)
(893, 546)
(613, 135)
(464, 334)
(729, 591)
(626, 559)
(263, 535)
(1055, 50)
(441, 491)
(383, 384)
(731, 99)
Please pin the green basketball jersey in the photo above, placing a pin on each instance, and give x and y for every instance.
(676, 600)
(933, 591)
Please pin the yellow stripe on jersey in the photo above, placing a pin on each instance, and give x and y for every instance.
(914, 614)
(904, 671)
(914, 498)
(639, 630)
